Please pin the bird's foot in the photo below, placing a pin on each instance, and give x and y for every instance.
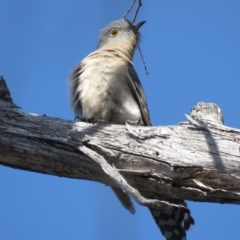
(134, 123)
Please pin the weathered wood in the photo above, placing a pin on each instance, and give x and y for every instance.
(197, 160)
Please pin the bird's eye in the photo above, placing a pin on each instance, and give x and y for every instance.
(114, 32)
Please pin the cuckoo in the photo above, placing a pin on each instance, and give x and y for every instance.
(104, 87)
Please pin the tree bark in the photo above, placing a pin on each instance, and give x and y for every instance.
(198, 160)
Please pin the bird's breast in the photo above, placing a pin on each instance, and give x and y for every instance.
(105, 93)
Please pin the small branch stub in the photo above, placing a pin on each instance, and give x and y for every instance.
(207, 111)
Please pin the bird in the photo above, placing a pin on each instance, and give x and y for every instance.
(105, 88)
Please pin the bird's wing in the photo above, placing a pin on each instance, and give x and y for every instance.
(74, 81)
(139, 95)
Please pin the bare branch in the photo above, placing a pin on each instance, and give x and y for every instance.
(134, 18)
(197, 160)
(143, 61)
(136, 13)
(130, 8)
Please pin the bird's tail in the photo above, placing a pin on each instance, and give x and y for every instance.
(175, 222)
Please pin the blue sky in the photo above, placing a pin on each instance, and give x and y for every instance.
(192, 52)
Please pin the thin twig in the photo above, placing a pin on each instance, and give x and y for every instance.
(136, 13)
(130, 8)
(143, 61)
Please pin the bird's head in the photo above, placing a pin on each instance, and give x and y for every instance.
(120, 30)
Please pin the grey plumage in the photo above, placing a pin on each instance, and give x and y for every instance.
(104, 86)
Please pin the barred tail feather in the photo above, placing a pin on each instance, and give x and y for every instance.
(175, 222)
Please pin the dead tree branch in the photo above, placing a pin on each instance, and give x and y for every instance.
(197, 160)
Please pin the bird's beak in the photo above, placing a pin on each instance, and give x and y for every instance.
(137, 26)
